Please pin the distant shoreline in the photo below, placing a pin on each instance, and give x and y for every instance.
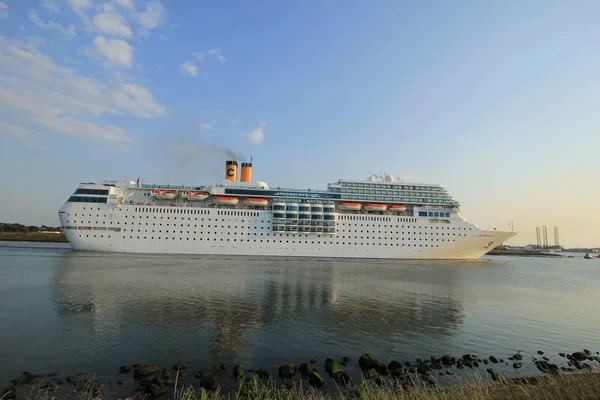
(33, 237)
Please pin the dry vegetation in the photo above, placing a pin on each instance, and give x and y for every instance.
(573, 386)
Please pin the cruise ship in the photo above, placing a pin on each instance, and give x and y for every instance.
(373, 218)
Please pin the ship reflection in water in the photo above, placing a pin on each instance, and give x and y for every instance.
(75, 312)
(214, 310)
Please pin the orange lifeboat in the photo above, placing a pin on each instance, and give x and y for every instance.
(347, 206)
(397, 208)
(229, 201)
(375, 207)
(191, 195)
(164, 194)
(253, 201)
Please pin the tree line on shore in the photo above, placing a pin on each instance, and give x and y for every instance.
(14, 227)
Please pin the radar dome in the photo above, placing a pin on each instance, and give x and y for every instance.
(389, 178)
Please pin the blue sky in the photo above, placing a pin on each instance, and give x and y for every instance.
(498, 101)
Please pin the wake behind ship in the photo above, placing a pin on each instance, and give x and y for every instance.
(372, 218)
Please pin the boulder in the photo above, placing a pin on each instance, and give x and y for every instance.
(344, 378)
(518, 357)
(379, 381)
(209, 383)
(238, 371)
(394, 365)
(447, 360)
(315, 379)
(73, 380)
(485, 361)
(155, 390)
(495, 375)
(60, 381)
(382, 369)
(180, 366)
(371, 373)
(469, 357)
(50, 386)
(30, 379)
(562, 354)
(546, 367)
(143, 370)
(494, 359)
(332, 368)
(304, 369)
(368, 361)
(166, 373)
(313, 361)
(579, 355)
(287, 370)
(125, 368)
(262, 374)
(423, 369)
(540, 352)
(586, 351)
(517, 365)
(346, 359)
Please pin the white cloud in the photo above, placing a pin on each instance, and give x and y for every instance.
(218, 54)
(198, 56)
(50, 5)
(175, 26)
(127, 4)
(19, 132)
(162, 37)
(67, 30)
(35, 91)
(109, 21)
(206, 125)
(138, 100)
(116, 51)
(3, 10)
(143, 33)
(153, 15)
(79, 7)
(189, 68)
(257, 135)
(80, 4)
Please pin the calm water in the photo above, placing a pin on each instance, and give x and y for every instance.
(87, 312)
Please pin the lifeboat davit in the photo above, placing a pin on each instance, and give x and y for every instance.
(375, 207)
(397, 208)
(230, 201)
(164, 194)
(346, 206)
(194, 196)
(253, 201)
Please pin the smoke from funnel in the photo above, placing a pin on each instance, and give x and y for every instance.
(191, 151)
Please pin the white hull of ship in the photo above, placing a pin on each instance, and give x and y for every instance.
(137, 229)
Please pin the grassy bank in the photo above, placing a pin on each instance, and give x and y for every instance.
(33, 237)
(574, 386)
